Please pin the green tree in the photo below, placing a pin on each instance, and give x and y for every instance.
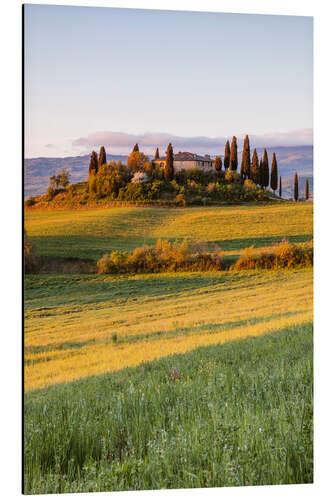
(64, 178)
(227, 155)
(93, 164)
(280, 187)
(136, 148)
(168, 169)
(54, 181)
(92, 185)
(102, 157)
(274, 174)
(246, 159)
(261, 174)
(295, 186)
(306, 189)
(255, 169)
(218, 163)
(157, 154)
(265, 170)
(137, 162)
(233, 154)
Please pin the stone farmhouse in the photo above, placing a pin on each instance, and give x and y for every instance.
(185, 160)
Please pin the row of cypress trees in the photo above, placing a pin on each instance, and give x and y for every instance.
(255, 170)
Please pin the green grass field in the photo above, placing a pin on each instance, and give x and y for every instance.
(227, 415)
(92, 233)
(132, 381)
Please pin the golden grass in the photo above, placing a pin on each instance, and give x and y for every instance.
(151, 323)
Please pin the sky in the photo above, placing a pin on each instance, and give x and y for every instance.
(113, 77)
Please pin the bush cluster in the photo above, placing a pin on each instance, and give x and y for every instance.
(164, 256)
(284, 255)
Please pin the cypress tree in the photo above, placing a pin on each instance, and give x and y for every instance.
(265, 170)
(233, 155)
(295, 187)
(218, 163)
(280, 187)
(93, 164)
(255, 169)
(261, 174)
(157, 154)
(274, 174)
(168, 169)
(246, 159)
(306, 189)
(102, 157)
(136, 148)
(227, 155)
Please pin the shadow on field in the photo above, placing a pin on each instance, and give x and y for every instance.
(85, 246)
(93, 289)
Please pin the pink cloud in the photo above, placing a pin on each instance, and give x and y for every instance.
(120, 142)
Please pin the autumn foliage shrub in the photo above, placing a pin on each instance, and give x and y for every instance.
(284, 255)
(162, 257)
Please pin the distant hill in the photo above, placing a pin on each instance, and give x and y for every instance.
(290, 160)
(37, 171)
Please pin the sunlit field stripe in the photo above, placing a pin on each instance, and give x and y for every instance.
(97, 359)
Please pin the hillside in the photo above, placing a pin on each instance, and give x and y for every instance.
(37, 171)
(91, 233)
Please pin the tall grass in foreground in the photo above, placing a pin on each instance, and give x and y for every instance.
(223, 415)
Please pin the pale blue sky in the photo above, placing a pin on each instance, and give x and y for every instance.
(90, 70)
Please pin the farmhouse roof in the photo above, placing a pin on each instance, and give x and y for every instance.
(186, 156)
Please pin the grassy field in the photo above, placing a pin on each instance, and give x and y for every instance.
(132, 381)
(227, 415)
(79, 325)
(92, 233)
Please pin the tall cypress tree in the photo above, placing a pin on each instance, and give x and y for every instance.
(136, 148)
(233, 155)
(157, 154)
(226, 155)
(306, 189)
(265, 170)
(255, 169)
(274, 174)
(168, 168)
(218, 163)
(93, 164)
(102, 157)
(296, 187)
(246, 159)
(261, 174)
(280, 187)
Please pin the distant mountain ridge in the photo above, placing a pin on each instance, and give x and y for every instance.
(291, 159)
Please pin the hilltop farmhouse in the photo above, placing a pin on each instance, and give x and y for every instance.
(185, 160)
